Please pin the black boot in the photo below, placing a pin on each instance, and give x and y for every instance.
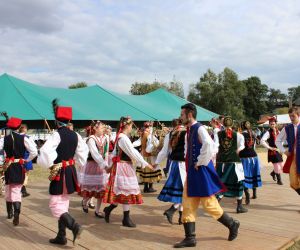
(180, 218)
(146, 187)
(70, 223)
(231, 224)
(17, 210)
(151, 189)
(9, 208)
(298, 191)
(240, 208)
(254, 194)
(279, 182)
(24, 192)
(107, 211)
(273, 175)
(127, 222)
(190, 236)
(246, 190)
(60, 239)
(169, 213)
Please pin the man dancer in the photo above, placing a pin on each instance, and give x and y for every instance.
(202, 181)
(59, 153)
(14, 146)
(291, 133)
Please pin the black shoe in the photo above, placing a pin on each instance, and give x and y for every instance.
(240, 209)
(273, 175)
(254, 194)
(17, 210)
(190, 236)
(146, 187)
(298, 191)
(84, 208)
(151, 189)
(169, 213)
(180, 218)
(246, 191)
(279, 182)
(60, 239)
(127, 222)
(231, 224)
(24, 192)
(91, 206)
(99, 215)
(70, 223)
(9, 208)
(107, 211)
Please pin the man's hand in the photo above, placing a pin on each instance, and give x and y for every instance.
(150, 166)
(287, 153)
(196, 167)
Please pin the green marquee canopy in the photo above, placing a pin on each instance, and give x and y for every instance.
(33, 102)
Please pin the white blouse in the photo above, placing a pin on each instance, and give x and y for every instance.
(95, 151)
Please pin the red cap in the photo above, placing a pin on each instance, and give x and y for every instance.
(63, 113)
(14, 123)
(272, 119)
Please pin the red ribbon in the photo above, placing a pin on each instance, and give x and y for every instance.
(229, 133)
(116, 159)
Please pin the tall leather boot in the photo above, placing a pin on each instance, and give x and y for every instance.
(231, 224)
(151, 189)
(273, 175)
(24, 192)
(254, 193)
(146, 187)
(180, 218)
(279, 182)
(70, 223)
(240, 208)
(298, 190)
(17, 210)
(247, 194)
(9, 208)
(169, 213)
(127, 222)
(190, 236)
(60, 239)
(107, 211)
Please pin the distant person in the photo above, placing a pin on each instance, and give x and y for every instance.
(274, 155)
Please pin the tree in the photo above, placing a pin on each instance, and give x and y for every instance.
(255, 102)
(78, 85)
(141, 88)
(276, 99)
(293, 93)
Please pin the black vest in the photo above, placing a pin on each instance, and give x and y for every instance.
(14, 147)
(67, 146)
(248, 151)
(177, 153)
(271, 141)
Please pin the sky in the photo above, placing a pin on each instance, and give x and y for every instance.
(116, 43)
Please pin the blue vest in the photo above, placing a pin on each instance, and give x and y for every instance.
(203, 182)
(290, 136)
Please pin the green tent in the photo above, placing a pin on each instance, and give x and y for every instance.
(33, 103)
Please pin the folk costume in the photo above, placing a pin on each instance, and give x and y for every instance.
(60, 152)
(172, 191)
(291, 134)
(229, 167)
(147, 142)
(14, 146)
(93, 176)
(202, 183)
(123, 187)
(250, 162)
(274, 155)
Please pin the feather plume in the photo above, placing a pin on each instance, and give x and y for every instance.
(5, 115)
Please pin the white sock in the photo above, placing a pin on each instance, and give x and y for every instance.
(176, 205)
(126, 207)
(98, 205)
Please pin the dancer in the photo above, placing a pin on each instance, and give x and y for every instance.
(274, 156)
(123, 187)
(229, 167)
(250, 162)
(202, 181)
(14, 146)
(93, 176)
(173, 189)
(59, 153)
(291, 134)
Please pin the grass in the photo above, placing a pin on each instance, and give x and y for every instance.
(38, 174)
(296, 246)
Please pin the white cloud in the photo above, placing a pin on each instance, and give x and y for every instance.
(115, 43)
